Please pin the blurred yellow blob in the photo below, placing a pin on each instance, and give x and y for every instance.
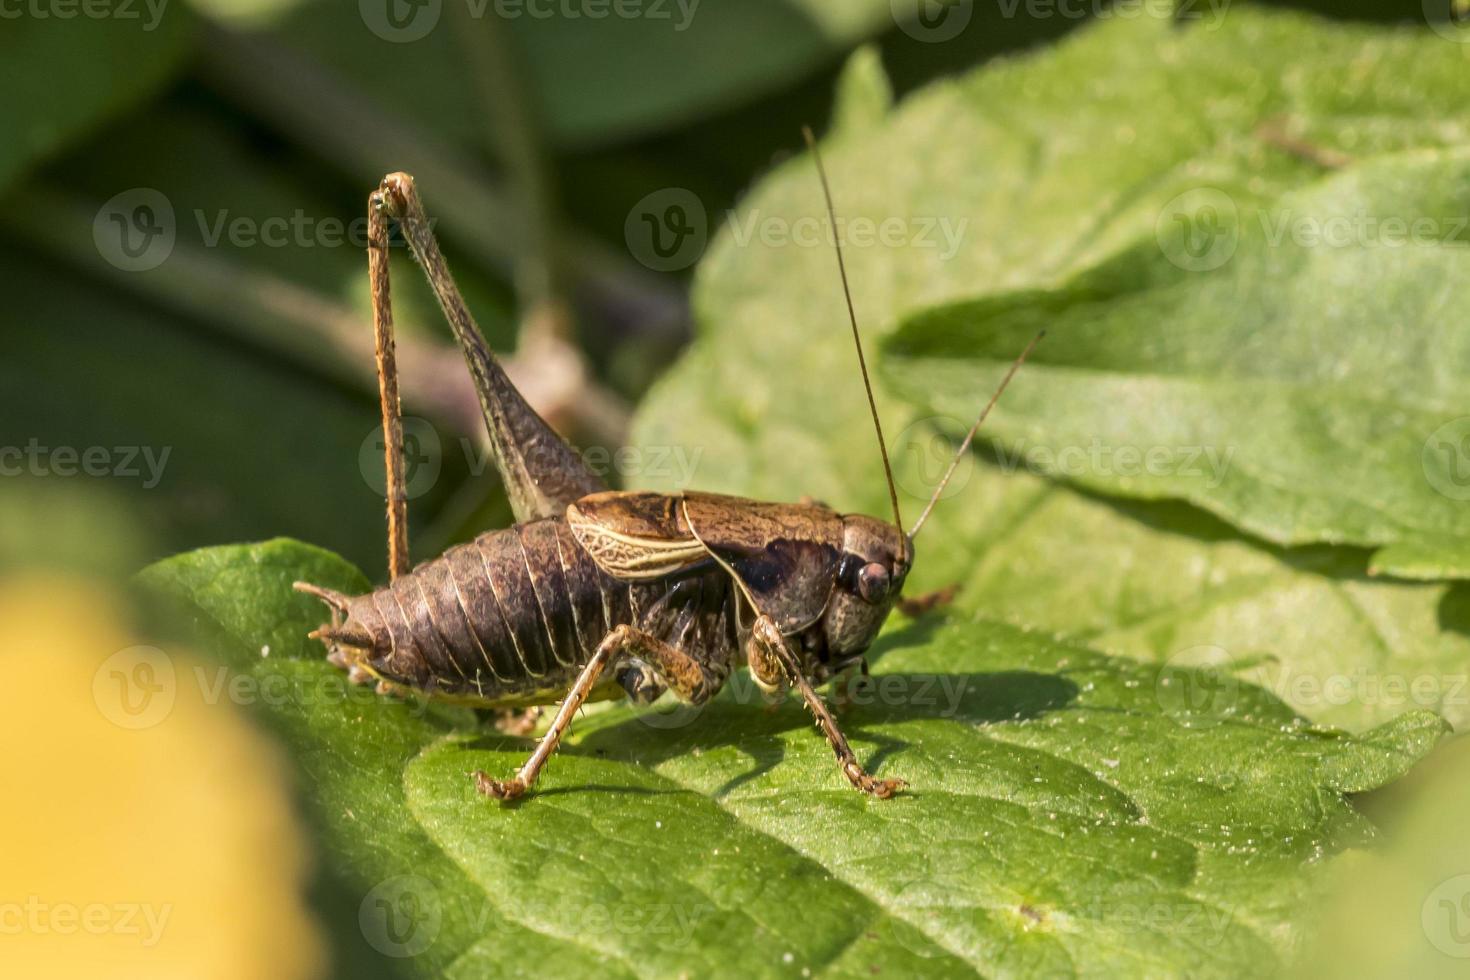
(145, 832)
(1403, 908)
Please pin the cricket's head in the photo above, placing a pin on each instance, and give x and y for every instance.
(876, 557)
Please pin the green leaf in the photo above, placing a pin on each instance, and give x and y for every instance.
(1308, 388)
(1168, 583)
(1070, 812)
(1007, 199)
(113, 62)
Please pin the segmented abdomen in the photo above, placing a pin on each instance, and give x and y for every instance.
(509, 616)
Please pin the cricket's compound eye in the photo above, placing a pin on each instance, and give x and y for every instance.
(873, 582)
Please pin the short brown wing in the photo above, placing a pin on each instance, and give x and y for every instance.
(636, 534)
(785, 555)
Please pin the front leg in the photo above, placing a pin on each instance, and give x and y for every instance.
(766, 670)
(775, 647)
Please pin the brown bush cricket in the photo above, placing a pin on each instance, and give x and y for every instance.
(596, 593)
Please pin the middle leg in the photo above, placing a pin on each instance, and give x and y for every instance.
(774, 646)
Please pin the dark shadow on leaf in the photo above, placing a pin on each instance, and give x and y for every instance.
(514, 745)
(1454, 609)
(766, 757)
(1185, 520)
(739, 719)
(596, 788)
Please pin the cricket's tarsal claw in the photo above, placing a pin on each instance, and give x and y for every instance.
(883, 789)
(508, 789)
(887, 788)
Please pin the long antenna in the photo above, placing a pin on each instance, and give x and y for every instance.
(970, 436)
(811, 143)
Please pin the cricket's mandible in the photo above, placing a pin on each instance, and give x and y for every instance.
(595, 593)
